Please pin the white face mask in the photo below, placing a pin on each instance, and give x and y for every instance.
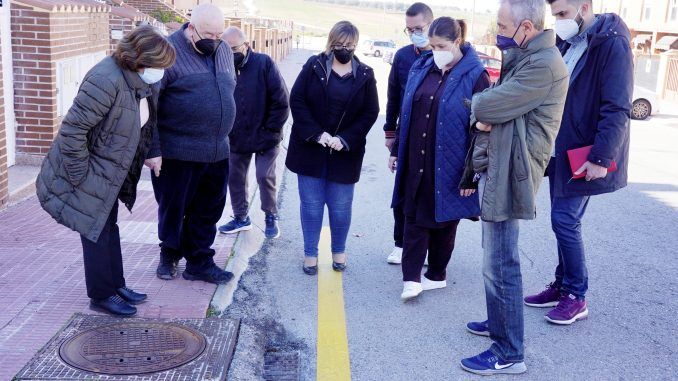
(442, 58)
(151, 75)
(566, 29)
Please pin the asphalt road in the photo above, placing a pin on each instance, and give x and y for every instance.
(631, 239)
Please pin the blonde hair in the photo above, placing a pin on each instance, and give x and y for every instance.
(342, 31)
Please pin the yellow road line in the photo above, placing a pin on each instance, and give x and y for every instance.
(333, 360)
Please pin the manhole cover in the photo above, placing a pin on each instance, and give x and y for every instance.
(133, 348)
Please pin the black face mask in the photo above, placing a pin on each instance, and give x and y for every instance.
(238, 59)
(343, 55)
(207, 46)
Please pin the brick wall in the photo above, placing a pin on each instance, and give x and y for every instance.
(119, 23)
(4, 192)
(39, 39)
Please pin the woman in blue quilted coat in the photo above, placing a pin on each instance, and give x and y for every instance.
(430, 151)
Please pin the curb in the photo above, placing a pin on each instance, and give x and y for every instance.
(248, 243)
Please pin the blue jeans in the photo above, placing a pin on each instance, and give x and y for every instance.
(566, 215)
(315, 193)
(503, 287)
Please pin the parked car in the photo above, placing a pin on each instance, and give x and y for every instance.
(643, 102)
(376, 48)
(492, 65)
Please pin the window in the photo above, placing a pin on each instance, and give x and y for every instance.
(673, 12)
(647, 12)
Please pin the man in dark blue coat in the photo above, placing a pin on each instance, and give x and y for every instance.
(418, 17)
(262, 104)
(596, 50)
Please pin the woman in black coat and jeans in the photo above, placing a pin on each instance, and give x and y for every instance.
(97, 158)
(334, 104)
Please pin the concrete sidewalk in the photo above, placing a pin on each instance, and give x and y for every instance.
(42, 276)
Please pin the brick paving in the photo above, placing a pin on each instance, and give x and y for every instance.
(43, 283)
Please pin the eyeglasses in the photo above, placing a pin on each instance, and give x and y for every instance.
(340, 46)
(208, 35)
(417, 30)
(237, 47)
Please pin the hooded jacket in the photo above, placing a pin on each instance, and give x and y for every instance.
(598, 109)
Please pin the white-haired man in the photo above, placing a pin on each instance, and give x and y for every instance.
(517, 120)
(262, 110)
(196, 110)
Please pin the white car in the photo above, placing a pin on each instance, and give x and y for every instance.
(644, 101)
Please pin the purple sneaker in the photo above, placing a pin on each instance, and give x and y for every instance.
(546, 298)
(568, 310)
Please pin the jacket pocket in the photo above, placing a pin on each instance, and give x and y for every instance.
(519, 160)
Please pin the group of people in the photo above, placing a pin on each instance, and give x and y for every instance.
(196, 106)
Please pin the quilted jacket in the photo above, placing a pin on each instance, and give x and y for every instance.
(92, 155)
(452, 138)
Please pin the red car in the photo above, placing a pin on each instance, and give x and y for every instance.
(492, 65)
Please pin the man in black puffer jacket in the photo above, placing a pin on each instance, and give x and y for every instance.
(262, 104)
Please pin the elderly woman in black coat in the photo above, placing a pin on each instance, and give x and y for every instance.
(97, 158)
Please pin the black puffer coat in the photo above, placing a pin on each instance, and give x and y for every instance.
(100, 145)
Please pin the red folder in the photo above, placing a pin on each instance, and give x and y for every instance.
(578, 157)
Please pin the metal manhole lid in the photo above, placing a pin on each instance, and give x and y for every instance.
(133, 348)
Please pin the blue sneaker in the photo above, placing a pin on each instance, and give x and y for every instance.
(487, 364)
(272, 229)
(236, 225)
(479, 328)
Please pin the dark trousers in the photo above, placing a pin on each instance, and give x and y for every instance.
(265, 171)
(398, 226)
(438, 242)
(191, 198)
(103, 260)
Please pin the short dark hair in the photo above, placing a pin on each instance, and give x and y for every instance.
(420, 9)
(144, 48)
(448, 28)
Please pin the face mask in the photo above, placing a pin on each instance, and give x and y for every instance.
(442, 58)
(566, 29)
(206, 46)
(505, 43)
(151, 75)
(344, 56)
(238, 59)
(419, 40)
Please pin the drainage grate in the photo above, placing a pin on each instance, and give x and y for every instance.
(281, 366)
(133, 348)
(179, 350)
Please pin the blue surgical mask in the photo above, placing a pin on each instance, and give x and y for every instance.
(505, 43)
(151, 75)
(420, 40)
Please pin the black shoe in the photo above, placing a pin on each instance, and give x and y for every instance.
(212, 274)
(311, 270)
(131, 296)
(114, 305)
(272, 229)
(340, 267)
(167, 269)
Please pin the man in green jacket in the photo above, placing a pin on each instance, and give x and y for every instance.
(517, 122)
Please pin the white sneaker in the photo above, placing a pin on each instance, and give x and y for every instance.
(427, 284)
(396, 256)
(410, 290)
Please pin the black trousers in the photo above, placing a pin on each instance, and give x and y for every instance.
(398, 226)
(438, 242)
(191, 198)
(103, 260)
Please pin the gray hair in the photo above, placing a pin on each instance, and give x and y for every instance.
(234, 31)
(533, 10)
(206, 13)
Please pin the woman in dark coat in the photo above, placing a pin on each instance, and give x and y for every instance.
(430, 151)
(334, 104)
(97, 158)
